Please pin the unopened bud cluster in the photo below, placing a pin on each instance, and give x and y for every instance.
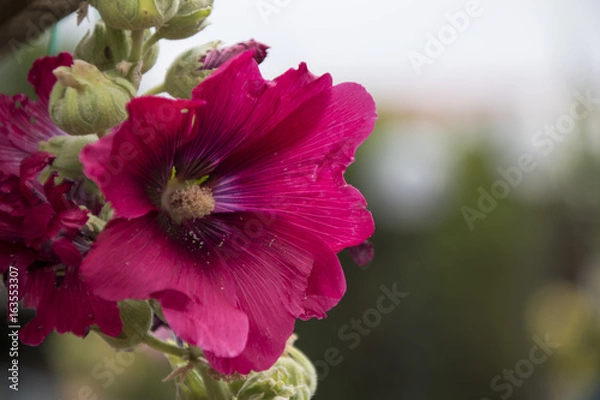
(85, 100)
(293, 377)
(91, 96)
(136, 14)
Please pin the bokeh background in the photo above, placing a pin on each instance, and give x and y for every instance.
(491, 259)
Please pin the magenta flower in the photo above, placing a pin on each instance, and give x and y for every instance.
(25, 123)
(42, 235)
(231, 207)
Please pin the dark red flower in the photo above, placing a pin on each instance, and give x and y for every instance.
(231, 207)
(25, 123)
(42, 235)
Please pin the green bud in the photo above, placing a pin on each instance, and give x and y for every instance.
(135, 14)
(137, 318)
(107, 47)
(151, 54)
(189, 20)
(185, 73)
(104, 47)
(292, 377)
(67, 149)
(191, 386)
(84, 100)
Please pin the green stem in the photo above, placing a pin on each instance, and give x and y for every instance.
(156, 90)
(135, 58)
(216, 390)
(137, 43)
(165, 347)
(152, 40)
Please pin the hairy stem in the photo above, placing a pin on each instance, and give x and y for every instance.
(155, 90)
(152, 40)
(137, 43)
(165, 347)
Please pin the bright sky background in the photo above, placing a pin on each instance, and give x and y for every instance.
(516, 52)
(516, 48)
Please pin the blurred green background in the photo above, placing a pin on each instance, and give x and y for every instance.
(499, 277)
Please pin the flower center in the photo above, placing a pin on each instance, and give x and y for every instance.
(188, 202)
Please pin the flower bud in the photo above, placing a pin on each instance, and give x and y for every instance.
(217, 57)
(195, 65)
(188, 21)
(292, 377)
(151, 55)
(135, 14)
(107, 47)
(136, 317)
(185, 73)
(84, 100)
(67, 149)
(104, 47)
(192, 387)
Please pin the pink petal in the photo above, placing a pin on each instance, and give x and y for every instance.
(133, 164)
(33, 165)
(35, 224)
(68, 223)
(12, 208)
(66, 252)
(280, 274)
(25, 123)
(326, 284)
(210, 324)
(71, 307)
(136, 259)
(11, 228)
(209, 274)
(250, 108)
(282, 147)
(296, 170)
(41, 76)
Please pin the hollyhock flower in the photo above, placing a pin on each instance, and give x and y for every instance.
(231, 207)
(25, 123)
(42, 235)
